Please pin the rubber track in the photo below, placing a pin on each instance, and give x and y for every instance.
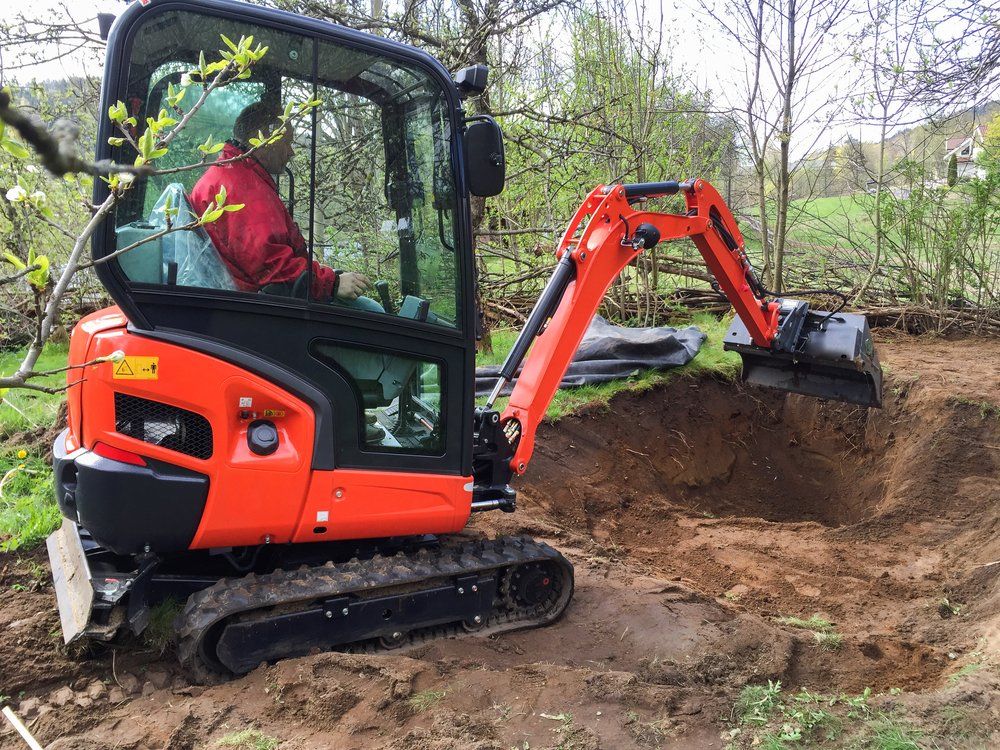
(455, 556)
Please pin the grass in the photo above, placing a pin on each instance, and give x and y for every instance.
(986, 408)
(248, 739)
(570, 736)
(765, 717)
(28, 512)
(890, 734)
(710, 359)
(159, 632)
(815, 623)
(970, 668)
(822, 629)
(28, 410)
(425, 699)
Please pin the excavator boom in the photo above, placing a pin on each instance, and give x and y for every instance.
(782, 342)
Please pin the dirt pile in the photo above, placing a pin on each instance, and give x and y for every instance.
(721, 537)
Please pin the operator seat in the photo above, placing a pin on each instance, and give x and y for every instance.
(187, 258)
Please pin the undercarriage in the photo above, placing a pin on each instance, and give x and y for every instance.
(290, 601)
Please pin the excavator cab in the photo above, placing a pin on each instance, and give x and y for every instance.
(378, 184)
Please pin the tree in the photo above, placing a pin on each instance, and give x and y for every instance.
(887, 44)
(56, 152)
(787, 49)
(953, 170)
(959, 58)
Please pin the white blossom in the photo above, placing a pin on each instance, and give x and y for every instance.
(17, 194)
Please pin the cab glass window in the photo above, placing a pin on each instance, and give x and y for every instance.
(400, 397)
(353, 209)
(232, 254)
(385, 191)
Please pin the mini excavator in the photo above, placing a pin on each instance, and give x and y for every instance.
(295, 474)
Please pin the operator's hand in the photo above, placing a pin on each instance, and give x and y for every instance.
(352, 285)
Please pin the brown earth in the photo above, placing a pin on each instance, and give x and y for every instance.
(696, 514)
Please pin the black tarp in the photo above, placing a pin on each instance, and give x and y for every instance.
(610, 352)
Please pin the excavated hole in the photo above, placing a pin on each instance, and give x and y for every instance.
(716, 450)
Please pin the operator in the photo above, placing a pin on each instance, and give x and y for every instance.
(261, 245)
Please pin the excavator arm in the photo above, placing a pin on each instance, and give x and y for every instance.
(782, 342)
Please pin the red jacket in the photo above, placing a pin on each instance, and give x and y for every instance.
(260, 244)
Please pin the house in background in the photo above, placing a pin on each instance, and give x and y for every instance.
(966, 150)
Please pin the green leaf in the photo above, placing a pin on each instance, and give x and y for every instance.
(229, 42)
(116, 141)
(212, 149)
(233, 207)
(15, 149)
(220, 197)
(146, 143)
(157, 153)
(40, 276)
(19, 264)
(210, 215)
(117, 112)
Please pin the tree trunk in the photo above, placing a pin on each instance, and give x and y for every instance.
(781, 225)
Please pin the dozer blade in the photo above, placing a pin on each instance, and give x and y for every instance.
(71, 577)
(831, 357)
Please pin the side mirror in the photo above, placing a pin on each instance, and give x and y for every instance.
(485, 163)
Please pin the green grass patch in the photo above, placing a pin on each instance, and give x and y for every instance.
(970, 668)
(248, 739)
(815, 623)
(425, 699)
(23, 410)
(822, 629)
(765, 717)
(159, 632)
(890, 734)
(28, 510)
(710, 359)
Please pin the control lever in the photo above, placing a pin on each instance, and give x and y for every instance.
(382, 287)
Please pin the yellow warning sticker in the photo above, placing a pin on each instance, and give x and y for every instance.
(137, 368)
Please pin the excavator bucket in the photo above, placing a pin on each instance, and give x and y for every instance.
(814, 353)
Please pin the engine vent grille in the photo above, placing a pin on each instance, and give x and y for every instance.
(163, 425)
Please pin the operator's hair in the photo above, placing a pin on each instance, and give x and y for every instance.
(257, 118)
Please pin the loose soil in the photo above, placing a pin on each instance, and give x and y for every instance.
(696, 514)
